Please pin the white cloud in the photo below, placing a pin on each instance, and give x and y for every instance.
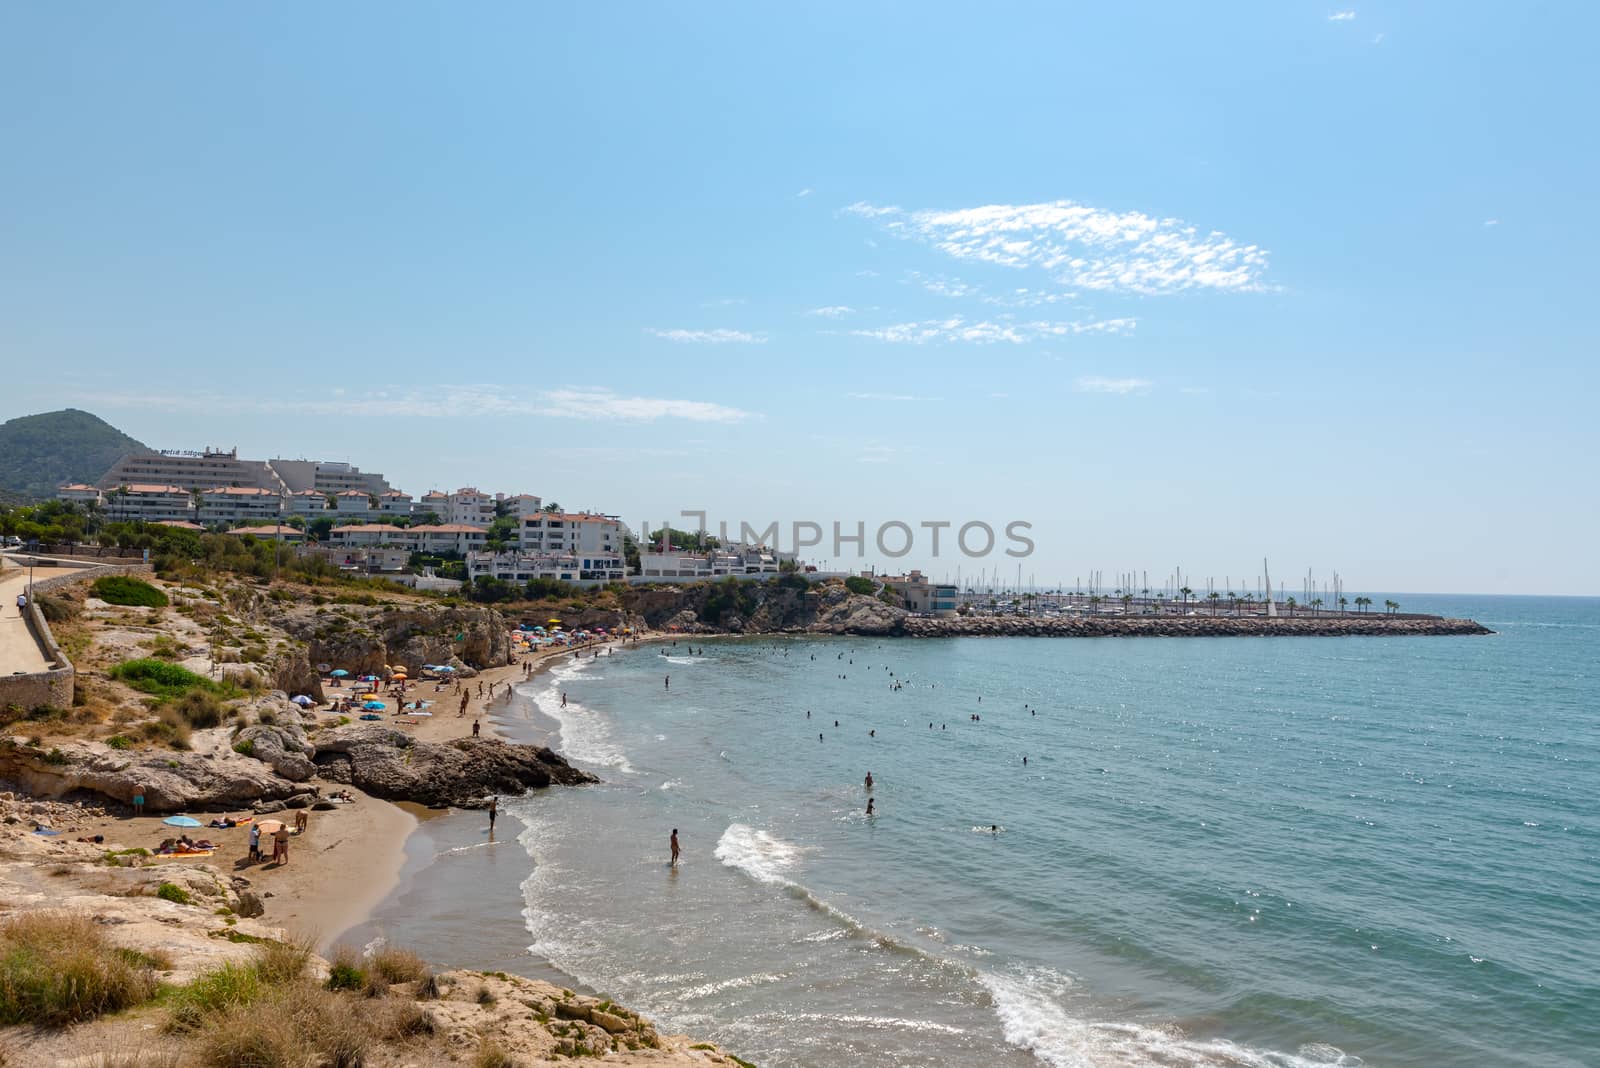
(1491, 222)
(1342, 16)
(445, 401)
(710, 337)
(1378, 39)
(833, 311)
(603, 404)
(804, 192)
(1084, 247)
(1096, 384)
(988, 331)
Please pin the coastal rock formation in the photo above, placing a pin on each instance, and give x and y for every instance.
(170, 781)
(390, 764)
(281, 746)
(369, 640)
(785, 605)
(1185, 626)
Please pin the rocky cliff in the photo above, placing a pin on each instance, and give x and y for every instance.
(780, 606)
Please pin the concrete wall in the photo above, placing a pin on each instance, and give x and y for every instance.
(53, 687)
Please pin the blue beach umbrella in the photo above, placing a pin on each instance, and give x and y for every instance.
(339, 673)
(181, 821)
(445, 667)
(374, 706)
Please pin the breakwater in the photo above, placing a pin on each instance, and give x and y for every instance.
(1092, 626)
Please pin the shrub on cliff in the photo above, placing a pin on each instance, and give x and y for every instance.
(857, 584)
(126, 590)
(58, 968)
(164, 679)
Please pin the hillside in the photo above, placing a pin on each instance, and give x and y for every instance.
(40, 452)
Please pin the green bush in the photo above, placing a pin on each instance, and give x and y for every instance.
(174, 893)
(158, 677)
(857, 584)
(59, 968)
(117, 741)
(126, 590)
(246, 747)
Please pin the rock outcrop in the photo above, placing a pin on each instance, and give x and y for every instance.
(170, 781)
(390, 764)
(364, 639)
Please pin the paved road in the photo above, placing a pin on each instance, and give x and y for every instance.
(18, 649)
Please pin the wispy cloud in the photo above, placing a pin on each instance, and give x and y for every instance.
(446, 401)
(1491, 222)
(1082, 246)
(867, 273)
(987, 331)
(710, 337)
(903, 398)
(833, 311)
(1096, 384)
(946, 286)
(804, 192)
(1377, 38)
(1342, 16)
(603, 404)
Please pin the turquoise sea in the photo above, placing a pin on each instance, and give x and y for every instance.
(1351, 851)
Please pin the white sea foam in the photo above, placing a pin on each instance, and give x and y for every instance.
(1033, 1017)
(586, 735)
(686, 659)
(758, 854)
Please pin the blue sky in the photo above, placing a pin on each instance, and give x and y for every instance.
(1178, 284)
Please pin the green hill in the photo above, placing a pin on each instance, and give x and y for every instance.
(40, 452)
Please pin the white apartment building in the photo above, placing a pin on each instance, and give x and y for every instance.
(443, 538)
(310, 503)
(207, 469)
(435, 502)
(395, 503)
(238, 504)
(326, 476)
(369, 534)
(470, 507)
(575, 533)
(522, 505)
(753, 562)
(519, 567)
(148, 502)
(352, 504)
(79, 494)
(458, 538)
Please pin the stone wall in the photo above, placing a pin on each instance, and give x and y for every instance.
(84, 574)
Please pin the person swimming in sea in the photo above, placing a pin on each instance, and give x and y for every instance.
(869, 806)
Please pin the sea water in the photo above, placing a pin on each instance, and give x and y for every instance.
(1230, 851)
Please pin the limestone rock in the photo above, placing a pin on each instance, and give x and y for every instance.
(390, 764)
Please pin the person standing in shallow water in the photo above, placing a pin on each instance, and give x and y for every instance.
(674, 846)
(494, 810)
(869, 780)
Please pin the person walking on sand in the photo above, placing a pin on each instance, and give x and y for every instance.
(302, 820)
(463, 710)
(474, 728)
(674, 847)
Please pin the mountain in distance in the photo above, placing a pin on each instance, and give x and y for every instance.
(40, 452)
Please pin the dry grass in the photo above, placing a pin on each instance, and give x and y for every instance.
(397, 965)
(291, 1027)
(58, 968)
(492, 1054)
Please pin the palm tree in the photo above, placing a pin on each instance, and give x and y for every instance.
(1391, 606)
(1094, 604)
(1214, 597)
(1316, 605)
(1127, 602)
(1289, 603)
(1342, 604)
(1186, 591)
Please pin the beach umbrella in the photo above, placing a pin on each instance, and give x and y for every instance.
(374, 706)
(446, 667)
(181, 821)
(552, 621)
(401, 675)
(338, 673)
(369, 678)
(270, 826)
(324, 667)
(302, 700)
